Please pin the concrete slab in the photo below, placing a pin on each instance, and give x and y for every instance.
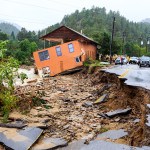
(50, 143)
(19, 139)
(98, 145)
(146, 147)
(112, 134)
(118, 112)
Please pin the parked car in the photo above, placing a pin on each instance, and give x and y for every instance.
(134, 60)
(144, 61)
(121, 60)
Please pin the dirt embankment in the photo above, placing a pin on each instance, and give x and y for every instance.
(123, 96)
(69, 112)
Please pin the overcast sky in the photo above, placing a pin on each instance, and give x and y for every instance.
(38, 14)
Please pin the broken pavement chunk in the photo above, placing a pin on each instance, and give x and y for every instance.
(112, 134)
(99, 145)
(118, 112)
(50, 143)
(148, 120)
(102, 99)
(87, 104)
(105, 87)
(19, 139)
(9, 125)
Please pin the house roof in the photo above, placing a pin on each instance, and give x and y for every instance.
(66, 34)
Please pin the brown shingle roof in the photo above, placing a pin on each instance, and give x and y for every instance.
(67, 34)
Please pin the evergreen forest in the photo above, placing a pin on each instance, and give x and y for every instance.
(130, 38)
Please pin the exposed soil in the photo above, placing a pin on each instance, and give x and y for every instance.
(66, 115)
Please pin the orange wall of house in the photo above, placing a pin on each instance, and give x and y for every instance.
(90, 51)
(56, 63)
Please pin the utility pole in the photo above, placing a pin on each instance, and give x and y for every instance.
(147, 43)
(111, 41)
(141, 43)
(44, 39)
(123, 40)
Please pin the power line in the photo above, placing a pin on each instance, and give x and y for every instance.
(25, 21)
(8, 19)
(36, 21)
(32, 5)
(64, 3)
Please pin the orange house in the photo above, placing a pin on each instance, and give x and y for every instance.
(73, 50)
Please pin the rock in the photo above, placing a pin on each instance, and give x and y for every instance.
(50, 144)
(103, 115)
(19, 140)
(32, 80)
(148, 120)
(136, 120)
(102, 99)
(34, 112)
(87, 104)
(66, 126)
(13, 125)
(66, 99)
(117, 119)
(105, 87)
(148, 105)
(118, 112)
(38, 125)
(45, 98)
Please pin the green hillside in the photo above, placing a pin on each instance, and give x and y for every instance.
(97, 24)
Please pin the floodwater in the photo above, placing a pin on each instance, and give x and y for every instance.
(30, 74)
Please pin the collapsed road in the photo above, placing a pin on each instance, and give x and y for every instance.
(72, 110)
(134, 75)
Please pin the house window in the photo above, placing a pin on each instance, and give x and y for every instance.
(77, 59)
(71, 48)
(44, 55)
(58, 51)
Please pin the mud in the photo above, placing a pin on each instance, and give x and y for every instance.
(66, 116)
(123, 96)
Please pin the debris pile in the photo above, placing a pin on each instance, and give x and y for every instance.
(80, 106)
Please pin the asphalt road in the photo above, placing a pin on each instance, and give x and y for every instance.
(135, 75)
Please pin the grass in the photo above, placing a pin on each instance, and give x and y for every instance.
(102, 130)
(94, 63)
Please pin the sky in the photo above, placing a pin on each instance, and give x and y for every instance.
(39, 14)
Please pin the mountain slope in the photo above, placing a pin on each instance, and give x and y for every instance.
(96, 21)
(147, 20)
(8, 28)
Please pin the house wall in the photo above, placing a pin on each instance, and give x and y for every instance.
(56, 63)
(90, 51)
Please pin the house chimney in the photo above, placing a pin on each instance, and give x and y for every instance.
(81, 32)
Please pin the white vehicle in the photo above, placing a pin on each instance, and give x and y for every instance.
(133, 60)
(121, 60)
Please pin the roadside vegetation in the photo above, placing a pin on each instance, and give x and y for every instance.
(8, 68)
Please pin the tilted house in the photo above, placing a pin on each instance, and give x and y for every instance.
(73, 50)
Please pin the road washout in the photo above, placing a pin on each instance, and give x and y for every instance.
(66, 116)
